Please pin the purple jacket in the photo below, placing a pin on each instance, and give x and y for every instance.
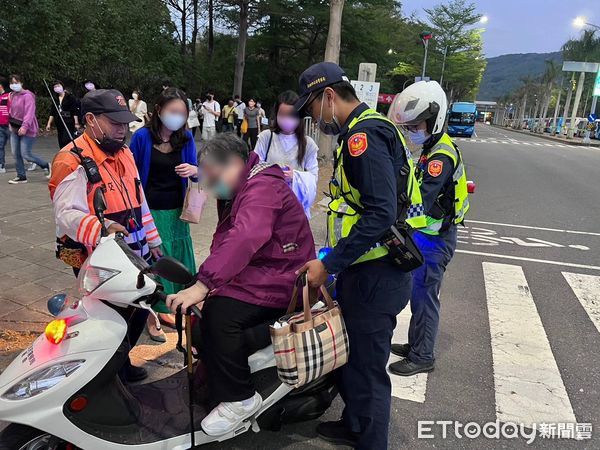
(22, 107)
(247, 259)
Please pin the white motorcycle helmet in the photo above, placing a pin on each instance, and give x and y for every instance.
(423, 101)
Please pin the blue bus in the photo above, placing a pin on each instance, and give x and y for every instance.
(461, 119)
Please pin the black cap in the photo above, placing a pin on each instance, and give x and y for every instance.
(317, 77)
(108, 102)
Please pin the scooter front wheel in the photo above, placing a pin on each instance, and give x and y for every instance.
(22, 437)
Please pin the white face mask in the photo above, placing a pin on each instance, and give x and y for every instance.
(17, 87)
(418, 137)
(134, 96)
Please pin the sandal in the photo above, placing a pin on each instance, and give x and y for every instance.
(167, 320)
(154, 330)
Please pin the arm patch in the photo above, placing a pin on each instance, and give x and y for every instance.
(357, 144)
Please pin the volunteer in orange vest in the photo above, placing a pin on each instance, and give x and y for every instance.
(107, 117)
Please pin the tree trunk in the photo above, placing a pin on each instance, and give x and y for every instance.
(240, 58)
(332, 54)
(522, 112)
(556, 108)
(183, 27)
(211, 31)
(192, 75)
(581, 82)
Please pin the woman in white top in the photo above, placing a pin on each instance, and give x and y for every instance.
(139, 108)
(287, 145)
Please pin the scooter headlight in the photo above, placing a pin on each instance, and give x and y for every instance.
(91, 278)
(42, 380)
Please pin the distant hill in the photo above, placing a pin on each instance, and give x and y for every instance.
(503, 73)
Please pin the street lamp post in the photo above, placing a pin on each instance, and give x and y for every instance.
(581, 22)
(443, 65)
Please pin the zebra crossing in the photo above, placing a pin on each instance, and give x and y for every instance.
(528, 386)
(509, 141)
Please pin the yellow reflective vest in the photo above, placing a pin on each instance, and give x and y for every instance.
(345, 199)
(446, 147)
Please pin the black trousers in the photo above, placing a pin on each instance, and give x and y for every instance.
(226, 347)
(371, 295)
(251, 137)
(238, 125)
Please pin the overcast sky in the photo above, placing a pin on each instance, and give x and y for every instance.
(523, 26)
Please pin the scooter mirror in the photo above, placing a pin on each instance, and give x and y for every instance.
(171, 269)
(56, 304)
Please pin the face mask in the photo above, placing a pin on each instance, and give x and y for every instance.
(108, 144)
(172, 121)
(222, 191)
(288, 124)
(332, 128)
(59, 89)
(418, 137)
(17, 87)
(134, 96)
(89, 86)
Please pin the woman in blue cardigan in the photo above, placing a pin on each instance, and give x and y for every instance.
(165, 154)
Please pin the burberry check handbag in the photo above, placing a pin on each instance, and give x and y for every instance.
(311, 343)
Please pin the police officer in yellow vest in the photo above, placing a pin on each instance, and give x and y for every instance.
(421, 110)
(371, 164)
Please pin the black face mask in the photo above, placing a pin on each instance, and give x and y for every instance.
(107, 144)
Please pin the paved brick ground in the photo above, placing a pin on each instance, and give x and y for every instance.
(31, 273)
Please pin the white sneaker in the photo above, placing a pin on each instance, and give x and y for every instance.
(48, 171)
(2, 168)
(32, 167)
(227, 416)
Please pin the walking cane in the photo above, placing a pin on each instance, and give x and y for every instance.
(190, 371)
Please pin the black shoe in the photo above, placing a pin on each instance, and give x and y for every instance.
(401, 349)
(134, 373)
(406, 368)
(336, 433)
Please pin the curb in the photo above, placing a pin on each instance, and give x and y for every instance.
(550, 138)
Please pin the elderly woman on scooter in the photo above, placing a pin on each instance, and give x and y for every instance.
(261, 239)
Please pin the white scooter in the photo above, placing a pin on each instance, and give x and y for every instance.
(63, 392)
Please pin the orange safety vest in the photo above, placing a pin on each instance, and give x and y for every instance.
(123, 189)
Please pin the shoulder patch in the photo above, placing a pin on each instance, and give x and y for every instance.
(357, 144)
(435, 167)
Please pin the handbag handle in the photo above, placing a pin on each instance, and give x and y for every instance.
(306, 298)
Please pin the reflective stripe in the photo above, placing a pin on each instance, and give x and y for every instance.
(415, 210)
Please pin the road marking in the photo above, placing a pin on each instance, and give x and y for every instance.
(528, 386)
(587, 290)
(528, 227)
(407, 388)
(522, 258)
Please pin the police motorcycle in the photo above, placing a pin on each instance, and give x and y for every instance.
(64, 392)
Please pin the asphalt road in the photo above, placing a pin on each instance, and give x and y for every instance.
(520, 327)
(516, 343)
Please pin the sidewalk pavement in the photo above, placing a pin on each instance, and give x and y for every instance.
(561, 139)
(31, 273)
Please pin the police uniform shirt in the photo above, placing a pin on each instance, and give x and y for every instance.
(436, 173)
(373, 172)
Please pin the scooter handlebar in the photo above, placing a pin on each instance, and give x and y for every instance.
(161, 296)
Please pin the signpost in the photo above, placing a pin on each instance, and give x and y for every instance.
(385, 99)
(367, 91)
